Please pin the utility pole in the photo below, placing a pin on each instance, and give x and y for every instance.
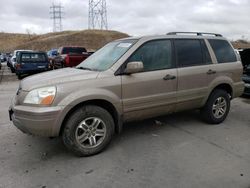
(56, 12)
(98, 14)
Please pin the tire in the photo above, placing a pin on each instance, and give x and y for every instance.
(12, 70)
(78, 136)
(19, 76)
(62, 65)
(217, 107)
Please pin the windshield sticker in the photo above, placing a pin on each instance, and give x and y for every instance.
(124, 45)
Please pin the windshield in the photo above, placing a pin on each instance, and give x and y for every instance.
(104, 58)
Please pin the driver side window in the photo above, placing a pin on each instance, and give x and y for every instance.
(155, 55)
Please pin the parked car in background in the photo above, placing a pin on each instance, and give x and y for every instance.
(14, 59)
(31, 62)
(245, 58)
(3, 57)
(126, 80)
(9, 55)
(51, 55)
(70, 57)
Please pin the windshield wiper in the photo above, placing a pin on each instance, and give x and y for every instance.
(85, 68)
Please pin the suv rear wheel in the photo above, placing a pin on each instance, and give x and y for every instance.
(217, 107)
(88, 130)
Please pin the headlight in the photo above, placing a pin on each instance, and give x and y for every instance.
(43, 96)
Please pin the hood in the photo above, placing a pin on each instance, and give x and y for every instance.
(55, 77)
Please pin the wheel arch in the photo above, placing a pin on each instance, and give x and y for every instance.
(224, 86)
(97, 102)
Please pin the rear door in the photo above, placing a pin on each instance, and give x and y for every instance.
(153, 91)
(193, 60)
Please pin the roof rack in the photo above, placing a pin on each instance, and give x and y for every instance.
(197, 33)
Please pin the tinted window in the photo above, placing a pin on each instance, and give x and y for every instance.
(155, 55)
(223, 51)
(68, 50)
(206, 54)
(189, 52)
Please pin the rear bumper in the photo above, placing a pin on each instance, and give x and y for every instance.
(31, 71)
(238, 89)
(39, 121)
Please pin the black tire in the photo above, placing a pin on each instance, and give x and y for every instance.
(19, 76)
(208, 114)
(62, 65)
(12, 70)
(71, 129)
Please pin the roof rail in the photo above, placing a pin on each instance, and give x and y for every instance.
(197, 33)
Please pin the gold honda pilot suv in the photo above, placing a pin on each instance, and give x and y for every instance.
(127, 80)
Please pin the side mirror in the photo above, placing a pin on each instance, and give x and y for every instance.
(134, 67)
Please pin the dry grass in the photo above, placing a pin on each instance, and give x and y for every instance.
(241, 44)
(90, 39)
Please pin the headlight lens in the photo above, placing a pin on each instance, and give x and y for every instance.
(43, 96)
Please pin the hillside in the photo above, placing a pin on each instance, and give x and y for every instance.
(241, 44)
(91, 39)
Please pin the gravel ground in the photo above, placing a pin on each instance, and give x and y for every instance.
(173, 151)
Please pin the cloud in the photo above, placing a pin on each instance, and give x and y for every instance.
(135, 17)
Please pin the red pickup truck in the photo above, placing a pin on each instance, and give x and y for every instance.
(70, 57)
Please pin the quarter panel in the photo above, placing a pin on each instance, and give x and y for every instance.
(108, 89)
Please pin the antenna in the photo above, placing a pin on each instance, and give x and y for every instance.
(56, 12)
(98, 14)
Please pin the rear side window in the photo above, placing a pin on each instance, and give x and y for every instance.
(188, 52)
(223, 51)
(155, 55)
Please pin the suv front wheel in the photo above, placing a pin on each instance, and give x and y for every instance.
(217, 107)
(88, 130)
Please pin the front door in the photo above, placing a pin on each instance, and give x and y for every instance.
(151, 92)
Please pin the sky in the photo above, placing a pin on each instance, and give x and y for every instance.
(134, 17)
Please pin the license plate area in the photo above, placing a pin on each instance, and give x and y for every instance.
(41, 67)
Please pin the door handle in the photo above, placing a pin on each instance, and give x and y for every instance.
(211, 72)
(169, 77)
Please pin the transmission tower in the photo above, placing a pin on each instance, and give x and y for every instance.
(56, 12)
(98, 14)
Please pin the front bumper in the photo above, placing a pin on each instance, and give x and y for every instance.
(39, 121)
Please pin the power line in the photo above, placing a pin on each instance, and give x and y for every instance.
(98, 14)
(56, 12)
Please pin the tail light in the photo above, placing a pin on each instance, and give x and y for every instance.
(18, 66)
(66, 60)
